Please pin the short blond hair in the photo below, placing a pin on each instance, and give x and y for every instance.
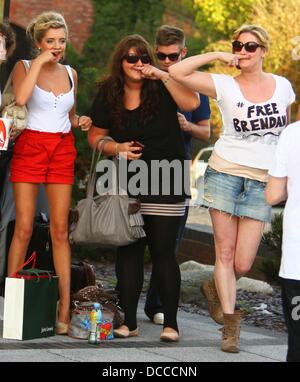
(38, 27)
(260, 33)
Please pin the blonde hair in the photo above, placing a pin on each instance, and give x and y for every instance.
(260, 33)
(38, 27)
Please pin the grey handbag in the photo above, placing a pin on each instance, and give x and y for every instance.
(105, 220)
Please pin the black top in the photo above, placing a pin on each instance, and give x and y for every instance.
(161, 137)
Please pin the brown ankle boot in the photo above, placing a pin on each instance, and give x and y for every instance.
(231, 332)
(209, 290)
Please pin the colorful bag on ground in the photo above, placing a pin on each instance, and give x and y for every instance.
(30, 303)
(107, 298)
(80, 321)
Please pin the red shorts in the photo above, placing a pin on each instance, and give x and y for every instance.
(43, 158)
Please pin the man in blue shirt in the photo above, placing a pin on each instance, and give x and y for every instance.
(170, 48)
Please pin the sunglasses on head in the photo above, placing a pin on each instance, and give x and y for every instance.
(134, 58)
(172, 56)
(249, 46)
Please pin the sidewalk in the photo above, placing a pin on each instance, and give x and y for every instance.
(200, 342)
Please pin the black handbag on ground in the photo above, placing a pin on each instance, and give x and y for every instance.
(82, 275)
(40, 242)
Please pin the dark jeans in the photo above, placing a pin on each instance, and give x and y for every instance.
(153, 302)
(291, 308)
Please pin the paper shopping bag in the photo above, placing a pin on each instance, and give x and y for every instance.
(30, 305)
(29, 308)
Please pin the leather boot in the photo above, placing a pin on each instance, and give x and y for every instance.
(231, 332)
(209, 290)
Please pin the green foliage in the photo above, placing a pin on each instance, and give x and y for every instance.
(183, 8)
(273, 239)
(220, 18)
(116, 19)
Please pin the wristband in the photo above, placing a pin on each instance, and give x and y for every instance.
(166, 80)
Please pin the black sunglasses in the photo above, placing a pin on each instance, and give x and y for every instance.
(250, 46)
(172, 57)
(134, 58)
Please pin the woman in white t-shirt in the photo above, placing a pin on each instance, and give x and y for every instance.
(284, 183)
(255, 108)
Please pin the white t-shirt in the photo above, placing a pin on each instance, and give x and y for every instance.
(250, 130)
(287, 164)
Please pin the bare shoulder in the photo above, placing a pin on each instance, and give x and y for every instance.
(74, 73)
(19, 70)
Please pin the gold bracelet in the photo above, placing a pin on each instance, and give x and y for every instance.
(166, 80)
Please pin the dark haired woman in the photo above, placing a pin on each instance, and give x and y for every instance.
(131, 106)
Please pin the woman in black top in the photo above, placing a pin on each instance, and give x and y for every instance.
(131, 106)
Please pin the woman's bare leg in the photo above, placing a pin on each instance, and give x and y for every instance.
(225, 235)
(59, 197)
(25, 195)
(249, 236)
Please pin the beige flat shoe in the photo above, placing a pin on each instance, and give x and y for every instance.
(61, 328)
(169, 336)
(124, 332)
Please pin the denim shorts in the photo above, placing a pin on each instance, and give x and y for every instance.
(236, 195)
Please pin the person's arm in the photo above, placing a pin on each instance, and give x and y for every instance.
(185, 71)
(23, 82)
(83, 122)
(199, 130)
(112, 148)
(185, 99)
(276, 190)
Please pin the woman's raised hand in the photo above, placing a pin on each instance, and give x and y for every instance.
(230, 58)
(151, 72)
(45, 57)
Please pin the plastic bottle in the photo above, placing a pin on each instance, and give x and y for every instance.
(93, 328)
(97, 308)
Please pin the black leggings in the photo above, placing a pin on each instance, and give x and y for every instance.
(161, 234)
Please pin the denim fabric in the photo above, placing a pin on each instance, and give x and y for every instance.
(236, 195)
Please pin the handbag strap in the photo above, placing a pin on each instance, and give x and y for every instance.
(92, 173)
(8, 82)
(32, 259)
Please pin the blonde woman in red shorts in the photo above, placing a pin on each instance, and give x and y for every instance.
(45, 151)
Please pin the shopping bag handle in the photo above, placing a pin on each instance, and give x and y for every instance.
(32, 259)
